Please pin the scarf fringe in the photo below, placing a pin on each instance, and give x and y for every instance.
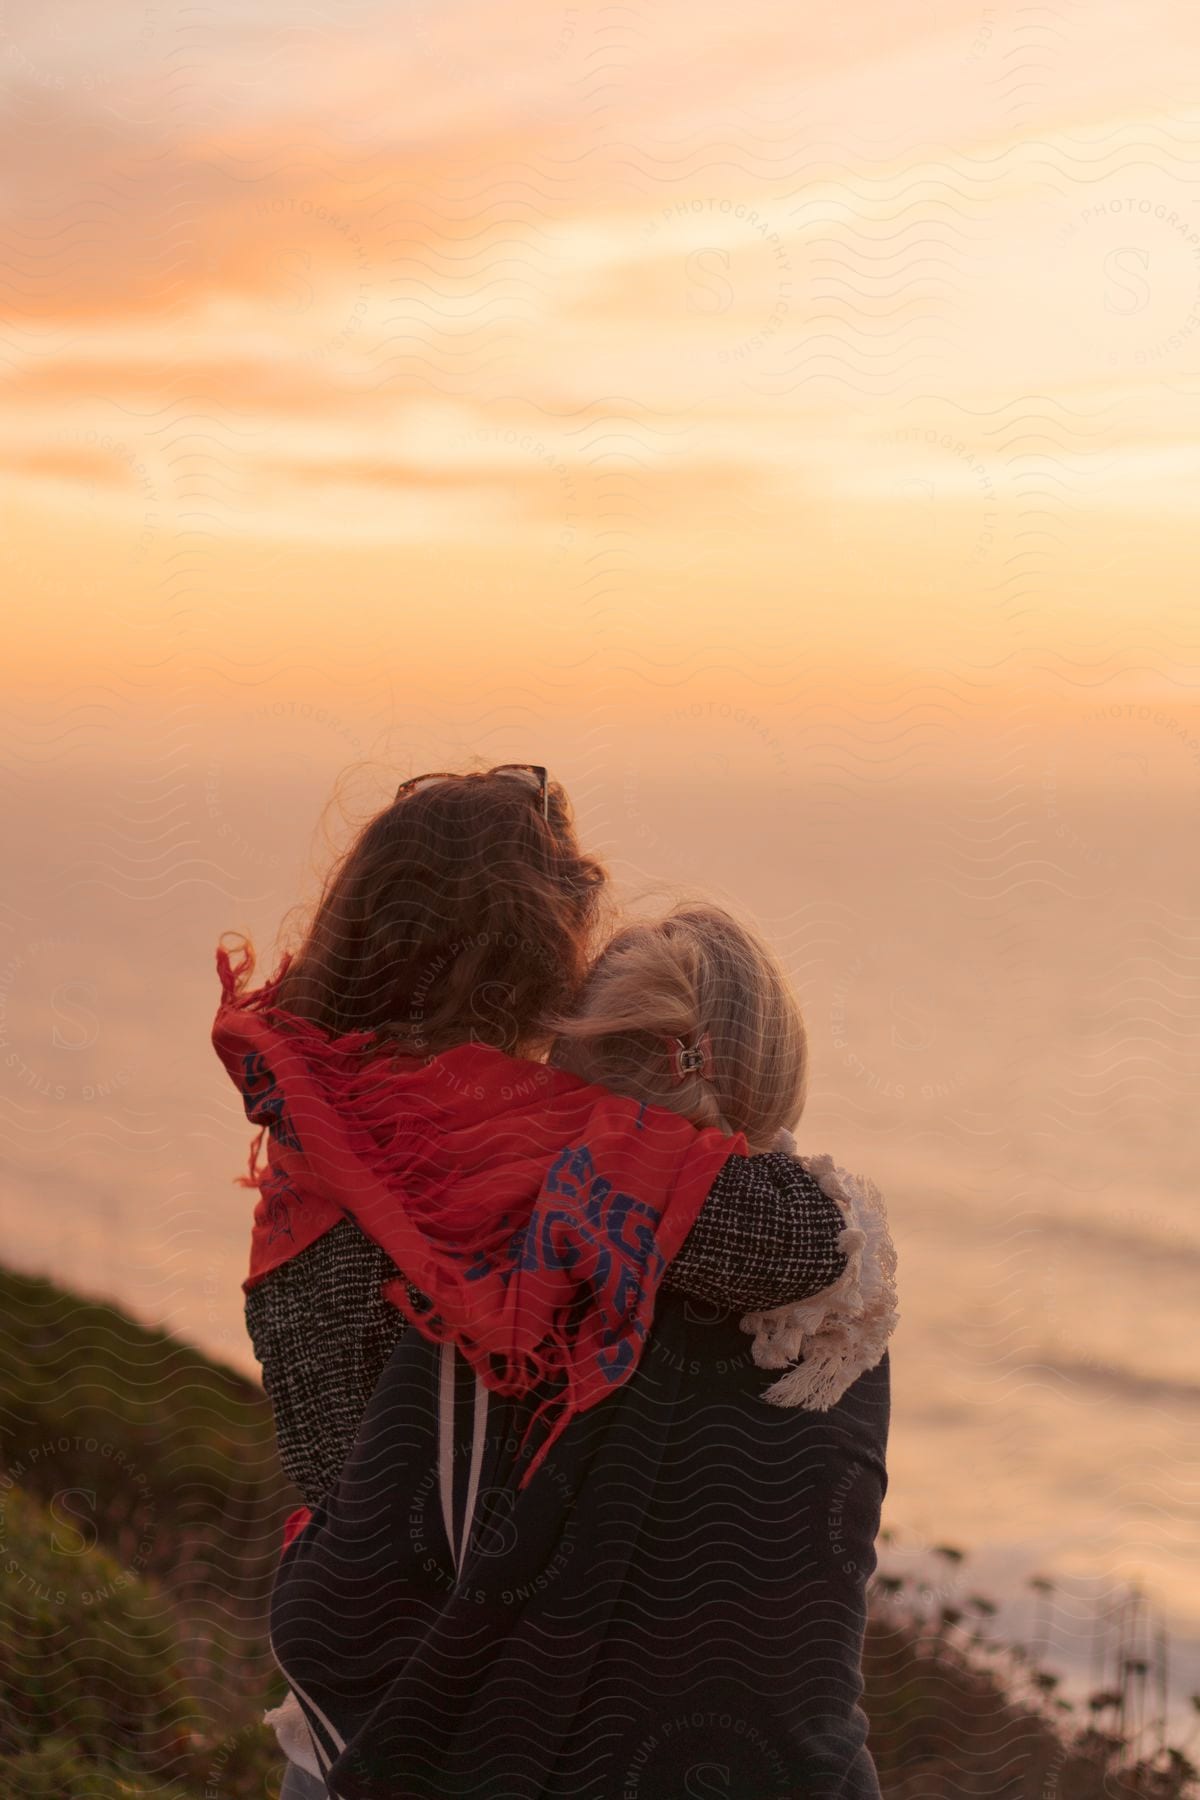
(844, 1330)
(520, 1370)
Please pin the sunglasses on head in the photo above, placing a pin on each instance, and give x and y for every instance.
(531, 775)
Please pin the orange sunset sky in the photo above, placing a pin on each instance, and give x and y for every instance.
(571, 352)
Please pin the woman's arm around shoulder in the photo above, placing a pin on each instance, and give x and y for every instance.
(767, 1233)
(803, 1248)
(839, 1334)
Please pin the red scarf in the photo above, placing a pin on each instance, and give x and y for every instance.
(535, 1210)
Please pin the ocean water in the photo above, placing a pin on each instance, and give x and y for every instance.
(1002, 1020)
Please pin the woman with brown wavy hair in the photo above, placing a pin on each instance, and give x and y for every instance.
(448, 941)
(465, 909)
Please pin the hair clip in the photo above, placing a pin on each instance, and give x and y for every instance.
(689, 1059)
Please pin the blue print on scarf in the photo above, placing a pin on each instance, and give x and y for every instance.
(631, 1224)
(618, 1227)
(482, 1264)
(569, 1170)
(622, 1222)
(612, 1367)
(279, 1196)
(263, 1100)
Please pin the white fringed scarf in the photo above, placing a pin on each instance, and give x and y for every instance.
(843, 1331)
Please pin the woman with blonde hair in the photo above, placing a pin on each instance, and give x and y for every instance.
(696, 974)
(693, 1013)
(667, 1593)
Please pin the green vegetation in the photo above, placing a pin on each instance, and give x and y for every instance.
(141, 1507)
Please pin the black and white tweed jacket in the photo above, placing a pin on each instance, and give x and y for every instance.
(768, 1234)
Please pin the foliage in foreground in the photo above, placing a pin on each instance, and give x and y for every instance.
(956, 1717)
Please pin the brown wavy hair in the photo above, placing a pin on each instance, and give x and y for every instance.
(458, 914)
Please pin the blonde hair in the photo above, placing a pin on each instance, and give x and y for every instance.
(696, 970)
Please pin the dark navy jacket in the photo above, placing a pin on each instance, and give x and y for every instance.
(673, 1610)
